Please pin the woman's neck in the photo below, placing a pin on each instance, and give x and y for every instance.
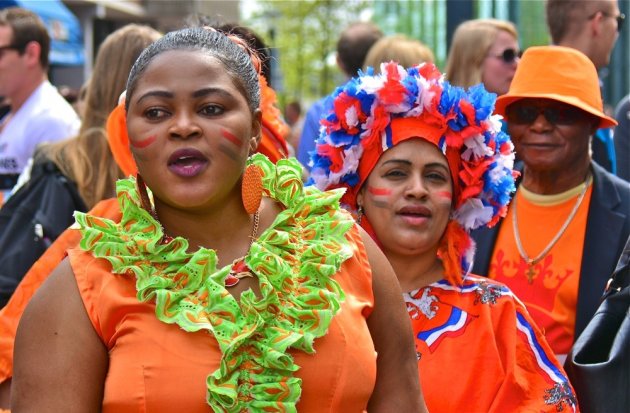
(226, 230)
(416, 271)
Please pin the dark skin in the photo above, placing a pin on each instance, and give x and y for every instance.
(556, 157)
(50, 342)
(5, 394)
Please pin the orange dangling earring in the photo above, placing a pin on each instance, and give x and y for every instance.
(252, 188)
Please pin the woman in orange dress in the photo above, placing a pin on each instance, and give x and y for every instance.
(271, 145)
(221, 287)
(423, 163)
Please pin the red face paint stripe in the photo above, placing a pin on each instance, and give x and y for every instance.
(445, 194)
(143, 143)
(236, 141)
(379, 191)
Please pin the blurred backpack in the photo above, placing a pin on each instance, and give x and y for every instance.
(32, 218)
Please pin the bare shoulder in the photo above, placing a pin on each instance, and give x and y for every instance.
(57, 287)
(60, 362)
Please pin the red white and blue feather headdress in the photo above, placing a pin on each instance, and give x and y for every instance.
(371, 113)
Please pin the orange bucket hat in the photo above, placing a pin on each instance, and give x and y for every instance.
(558, 73)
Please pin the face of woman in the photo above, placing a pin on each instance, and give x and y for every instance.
(407, 198)
(190, 130)
(496, 72)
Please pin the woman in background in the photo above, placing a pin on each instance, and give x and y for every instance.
(87, 160)
(423, 163)
(484, 51)
(399, 48)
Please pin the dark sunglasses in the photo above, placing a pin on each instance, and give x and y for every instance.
(619, 17)
(557, 114)
(9, 47)
(510, 55)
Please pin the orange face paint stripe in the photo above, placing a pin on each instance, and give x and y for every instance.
(230, 137)
(445, 194)
(379, 191)
(143, 143)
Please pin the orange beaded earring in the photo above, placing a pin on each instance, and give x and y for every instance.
(251, 188)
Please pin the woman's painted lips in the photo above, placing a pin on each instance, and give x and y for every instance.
(187, 162)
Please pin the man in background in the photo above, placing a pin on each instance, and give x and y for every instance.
(352, 47)
(592, 27)
(38, 112)
(569, 219)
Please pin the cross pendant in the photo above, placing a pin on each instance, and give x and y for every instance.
(530, 273)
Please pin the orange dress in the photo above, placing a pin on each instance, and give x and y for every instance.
(178, 340)
(158, 367)
(479, 351)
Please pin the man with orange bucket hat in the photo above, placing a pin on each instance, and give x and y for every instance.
(569, 219)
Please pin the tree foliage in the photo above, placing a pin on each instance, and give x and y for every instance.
(304, 37)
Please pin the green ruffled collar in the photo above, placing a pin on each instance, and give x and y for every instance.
(294, 260)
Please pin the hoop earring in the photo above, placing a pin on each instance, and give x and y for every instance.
(251, 188)
(360, 212)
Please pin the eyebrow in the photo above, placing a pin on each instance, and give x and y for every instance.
(158, 93)
(403, 161)
(408, 163)
(196, 94)
(437, 165)
(211, 90)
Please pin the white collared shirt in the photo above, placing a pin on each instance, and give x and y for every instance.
(44, 117)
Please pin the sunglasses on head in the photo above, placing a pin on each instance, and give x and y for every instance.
(619, 17)
(509, 55)
(558, 114)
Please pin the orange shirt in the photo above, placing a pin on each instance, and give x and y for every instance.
(479, 351)
(158, 367)
(550, 288)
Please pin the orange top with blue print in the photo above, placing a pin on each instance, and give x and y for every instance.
(479, 351)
